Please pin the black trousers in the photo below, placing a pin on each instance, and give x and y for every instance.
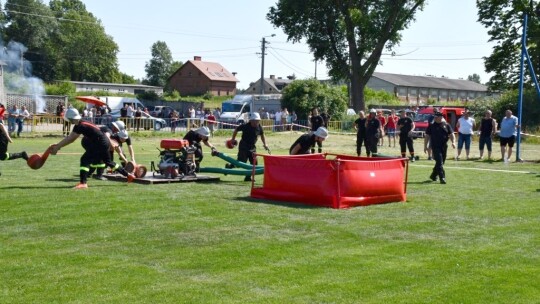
(406, 143)
(439, 155)
(360, 141)
(371, 145)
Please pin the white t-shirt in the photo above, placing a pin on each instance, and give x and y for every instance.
(466, 125)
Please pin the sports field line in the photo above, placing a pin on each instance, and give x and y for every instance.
(479, 169)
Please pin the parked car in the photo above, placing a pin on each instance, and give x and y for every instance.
(147, 121)
(162, 111)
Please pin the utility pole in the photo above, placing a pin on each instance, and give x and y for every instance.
(263, 49)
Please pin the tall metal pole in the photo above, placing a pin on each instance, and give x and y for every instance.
(520, 94)
(263, 46)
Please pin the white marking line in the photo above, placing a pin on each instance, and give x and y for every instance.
(480, 169)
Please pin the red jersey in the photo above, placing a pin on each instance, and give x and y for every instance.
(392, 121)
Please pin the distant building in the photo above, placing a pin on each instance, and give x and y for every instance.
(272, 85)
(419, 89)
(121, 88)
(197, 77)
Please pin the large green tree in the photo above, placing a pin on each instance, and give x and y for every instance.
(80, 50)
(159, 68)
(303, 95)
(504, 19)
(349, 35)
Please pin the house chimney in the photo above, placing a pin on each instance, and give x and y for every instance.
(234, 74)
(272, 76)
(197, 58)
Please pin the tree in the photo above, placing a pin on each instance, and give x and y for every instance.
(474, 78)
(303, 95)
(158, 69)
(504, 19)
(81, 50)
(349, 35)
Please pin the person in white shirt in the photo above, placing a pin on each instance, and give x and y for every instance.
(465, 127)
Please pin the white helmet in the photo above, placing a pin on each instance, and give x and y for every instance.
(71, 113)
(254, 116)
(123, 134)
(203, 131)
(321, 132)
(119, 125)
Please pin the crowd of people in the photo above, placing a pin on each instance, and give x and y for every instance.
(101, 143)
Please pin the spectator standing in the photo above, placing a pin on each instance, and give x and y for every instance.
(488, 127)
(124, 111)
(360, 127)
(277, 121)
(507, 134)
(437, 135)
(23, 115)
(405, 126)
(284, 117)
(174, 121)
(315, 122)
(391, 128)
(66, 128)
(211, 123)
(294, 119)
(13, 117)
(382, 120)
(373, 133)
(326, 118)
(465, 126)
(138, 118)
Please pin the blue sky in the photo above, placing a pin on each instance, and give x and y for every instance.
(444, 40)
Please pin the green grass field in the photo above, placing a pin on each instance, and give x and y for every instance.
(474, 240)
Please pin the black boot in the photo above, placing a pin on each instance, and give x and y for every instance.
(23, 155)
(433, 176)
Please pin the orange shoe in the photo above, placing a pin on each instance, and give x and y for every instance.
(130, 177)
(81, 186)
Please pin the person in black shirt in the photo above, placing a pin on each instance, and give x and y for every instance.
(373, 132)
(195, 137)
(405, 125)
(316, 121)
(488, 128)
(437, 134)
(303, 144)
(97, 150)
(360, 126)
(250, 134)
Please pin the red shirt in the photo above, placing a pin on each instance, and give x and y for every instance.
(392, 120)
(211, 119)
(382, 119)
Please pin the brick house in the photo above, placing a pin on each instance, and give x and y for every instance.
(197, 77)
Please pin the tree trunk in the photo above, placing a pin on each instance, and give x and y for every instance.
(357, 92)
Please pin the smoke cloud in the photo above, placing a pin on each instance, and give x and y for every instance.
(18, 74)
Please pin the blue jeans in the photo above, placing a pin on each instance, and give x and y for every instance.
(464, 138)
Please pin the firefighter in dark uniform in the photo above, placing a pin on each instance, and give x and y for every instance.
(195, 137)
(437, 135)
(316, 121)
(98, 149)
(360, 126)
(5, 139)
(373, 133)
(119, 137)
(304, 143)
(250, 133)
(405, 125)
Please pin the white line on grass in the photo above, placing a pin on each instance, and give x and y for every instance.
(480, 169)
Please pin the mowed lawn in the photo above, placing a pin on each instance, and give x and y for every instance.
(474, 240)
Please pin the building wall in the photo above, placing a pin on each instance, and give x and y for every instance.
(190, 81)
(115, 88)
(420, 95)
